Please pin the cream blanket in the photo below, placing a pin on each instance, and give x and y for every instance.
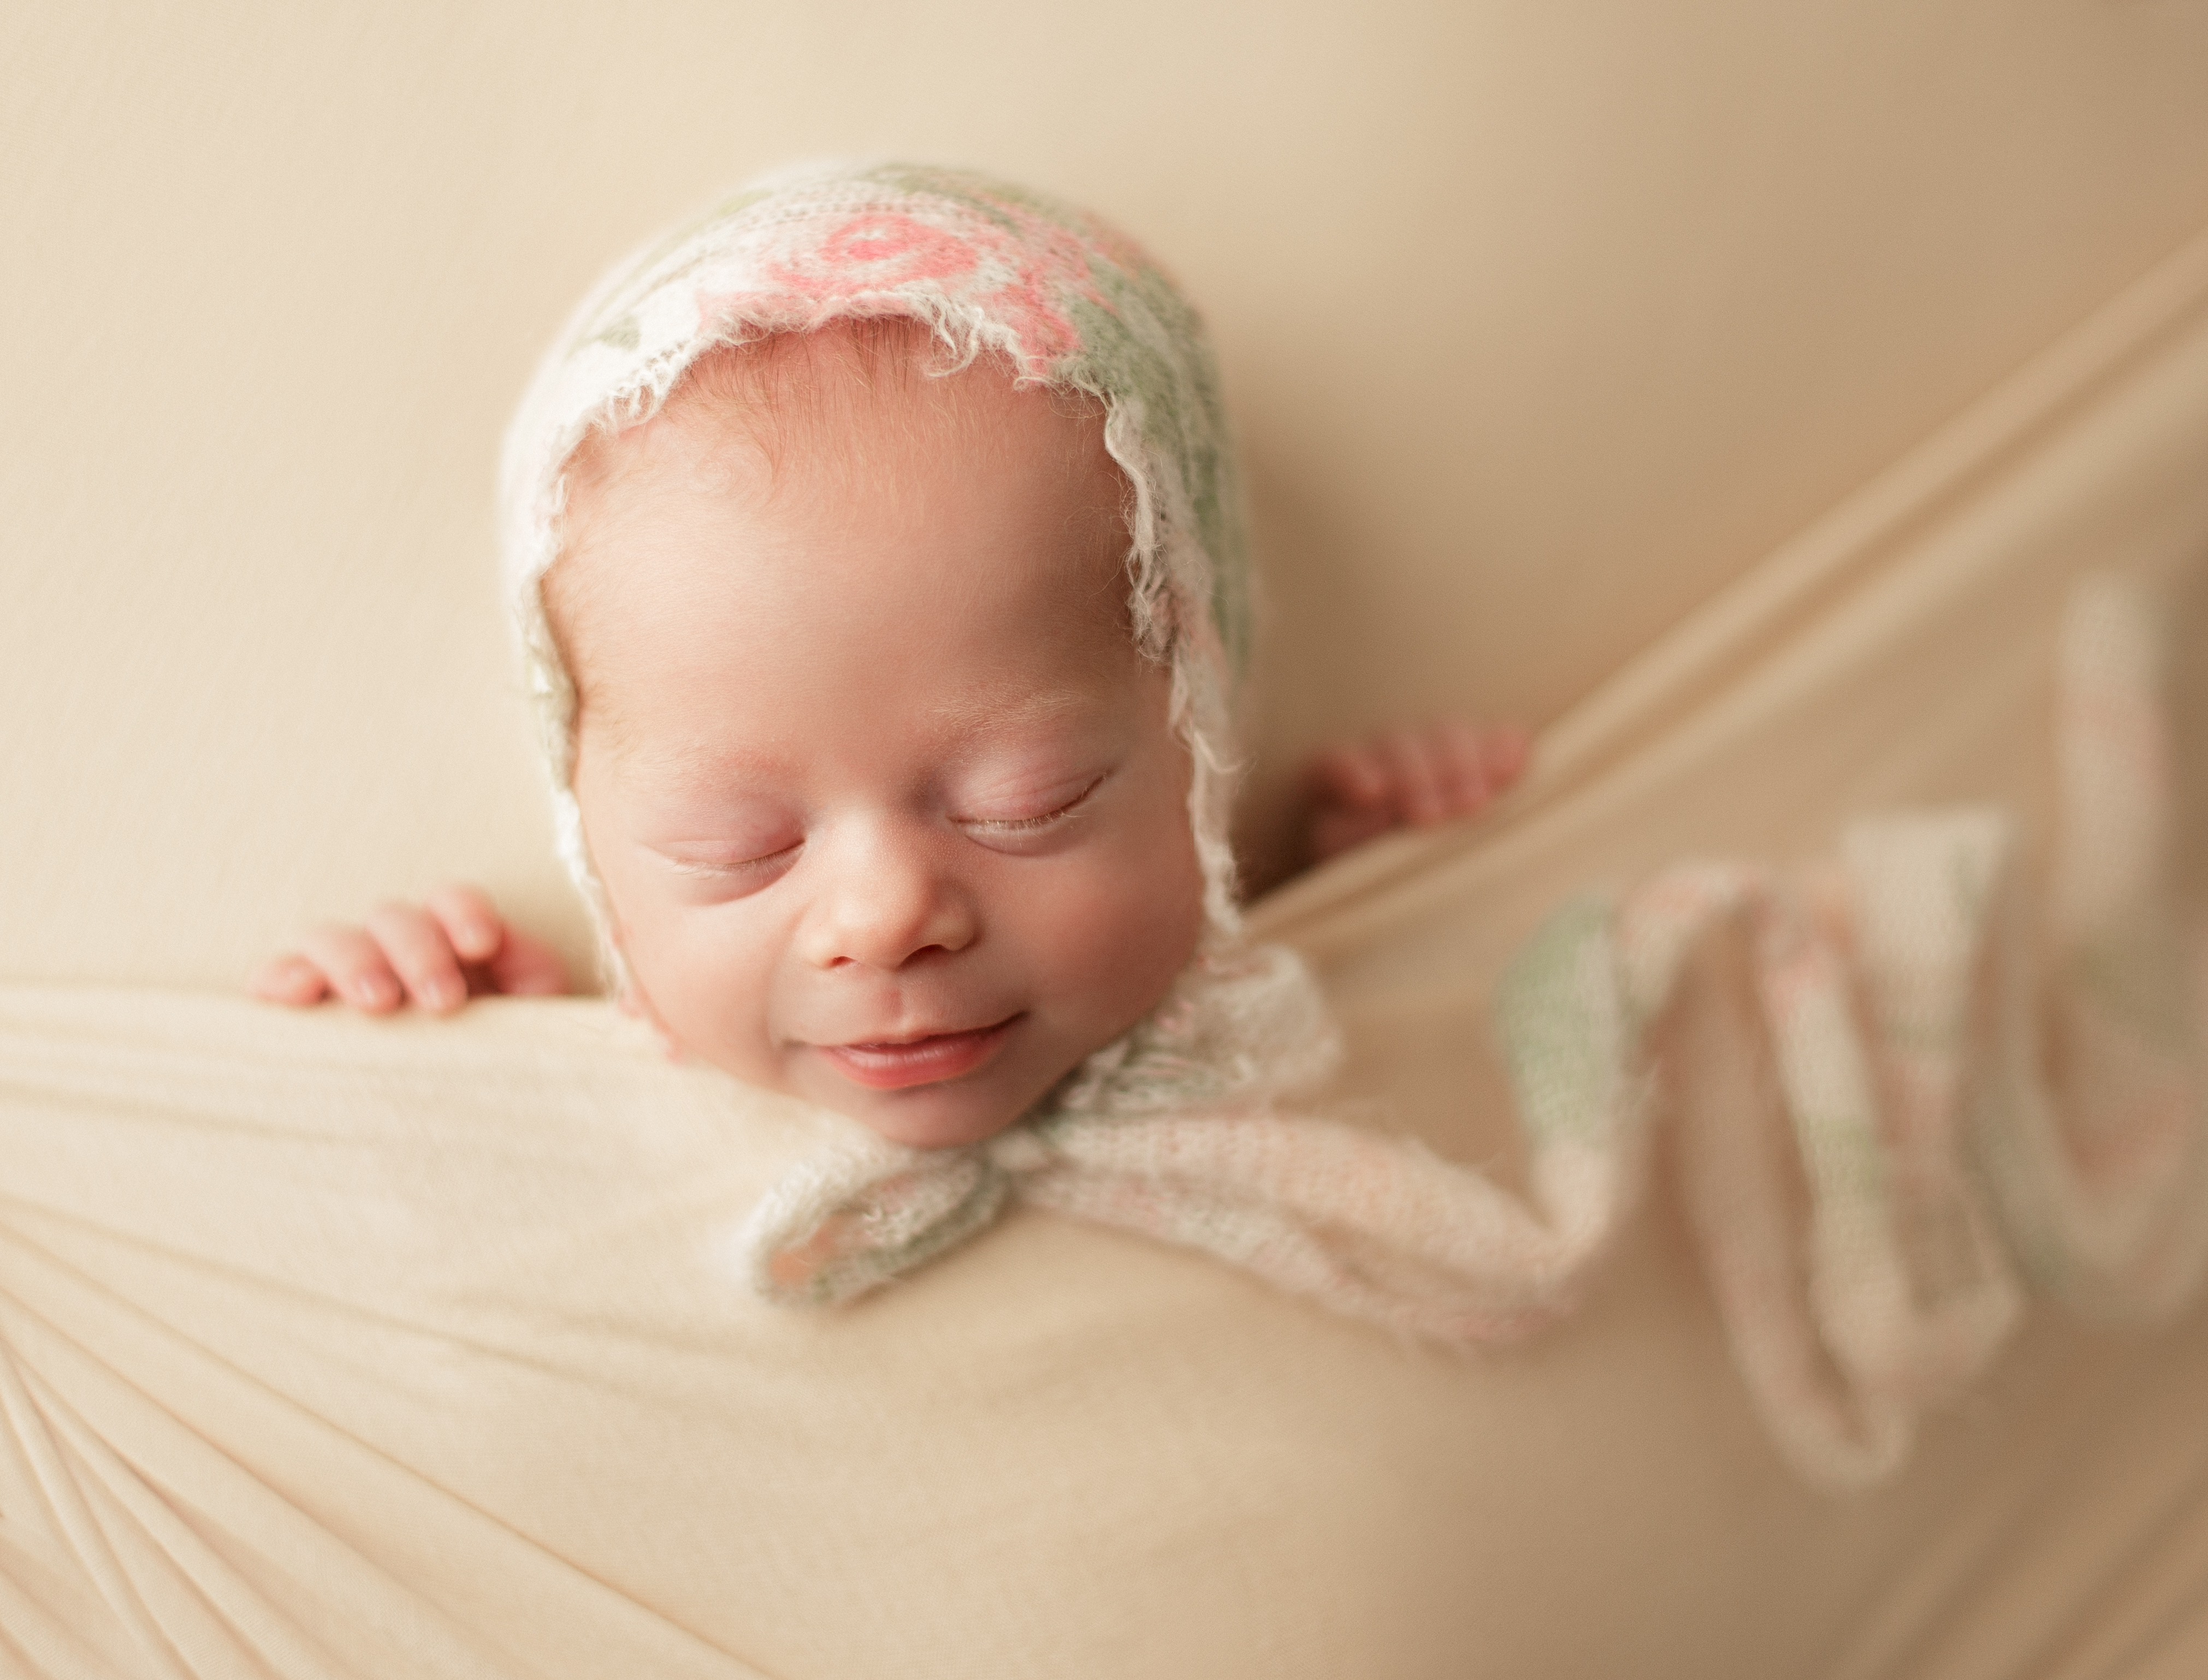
(335, 1348)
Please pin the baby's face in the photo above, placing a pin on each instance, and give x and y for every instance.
(884, 800)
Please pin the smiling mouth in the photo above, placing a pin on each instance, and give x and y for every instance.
(916, 1061)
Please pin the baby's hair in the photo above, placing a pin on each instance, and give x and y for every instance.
(758, 381)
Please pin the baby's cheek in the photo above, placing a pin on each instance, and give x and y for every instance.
(705, 987)
(1129, 928)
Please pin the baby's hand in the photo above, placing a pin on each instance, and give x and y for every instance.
(436, 954)
(1361, 790)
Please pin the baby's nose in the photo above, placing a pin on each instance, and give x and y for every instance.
(883, 901)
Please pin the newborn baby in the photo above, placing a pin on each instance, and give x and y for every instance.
(874, 553)
(874, 550)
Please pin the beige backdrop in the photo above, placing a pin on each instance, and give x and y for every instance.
(1544, 321)
(1541, 320)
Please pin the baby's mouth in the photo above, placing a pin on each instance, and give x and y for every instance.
(930, 1060)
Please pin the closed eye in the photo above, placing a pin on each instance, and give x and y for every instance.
(720, 868)
(986, 826)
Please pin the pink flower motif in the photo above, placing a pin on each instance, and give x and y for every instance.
(877, 251)
(886, 249)
(1017, 276)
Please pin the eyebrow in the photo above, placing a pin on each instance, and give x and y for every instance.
(985, 716)
(689, 764)
(978, 720)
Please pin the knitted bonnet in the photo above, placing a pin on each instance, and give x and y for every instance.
(1051, 293)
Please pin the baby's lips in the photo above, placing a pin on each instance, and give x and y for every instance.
(932, 1059)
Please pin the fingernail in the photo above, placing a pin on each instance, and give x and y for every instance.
(439, 994)
(370, 991)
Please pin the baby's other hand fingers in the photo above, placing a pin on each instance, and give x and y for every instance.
(1420, 775)
(355, 967)
(1462, 753)
(414, 943)
(1350, 773)
(1506, 749)
(526, 966)
(470, 921)
(288, 978)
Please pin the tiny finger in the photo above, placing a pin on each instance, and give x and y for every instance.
(1418, 777)
(415, 945)
(526, 966)
(1507, 750)
(470, 920)
(289, 979)
(1351, 773)
(355, 967)
(1467, 780)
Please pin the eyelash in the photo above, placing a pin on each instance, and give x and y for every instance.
(741, 866)
(1027, 825)
(1015, 825)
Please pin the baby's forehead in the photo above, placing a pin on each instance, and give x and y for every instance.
(859, 395)
(799, 486)
(841, 416)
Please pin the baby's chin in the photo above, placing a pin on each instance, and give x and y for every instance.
(945, 1126)
(951, 1116)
